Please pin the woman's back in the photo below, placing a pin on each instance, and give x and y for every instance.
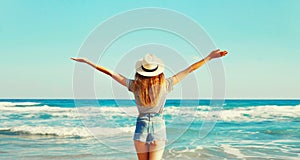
(150, 92)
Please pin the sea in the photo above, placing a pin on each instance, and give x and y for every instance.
(89, 129)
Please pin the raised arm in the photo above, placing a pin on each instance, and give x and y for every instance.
(116, 76)
(182, 74)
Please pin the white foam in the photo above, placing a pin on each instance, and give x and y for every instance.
(6, 104)
(100, 131)
(233, 151)
(257, 113)
(195, 149)
(4, 129)
(81, 112)
(12, 104)
(115, 111)
(69, 131)
(184, 152)
(261, 113)
(56, 131)
(34, 111)
(286, 141)
(240, 114)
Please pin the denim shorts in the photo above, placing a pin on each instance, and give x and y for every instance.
(150, 127)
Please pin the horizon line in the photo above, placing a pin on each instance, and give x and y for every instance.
(51, 98)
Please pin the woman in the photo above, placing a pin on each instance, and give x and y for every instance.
(150, 89)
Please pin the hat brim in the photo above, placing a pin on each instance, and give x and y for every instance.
(159, 70)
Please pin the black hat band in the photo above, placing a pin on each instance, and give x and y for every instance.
(149, 70)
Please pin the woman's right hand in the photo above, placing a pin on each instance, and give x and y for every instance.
(216, 54)
(84, 60)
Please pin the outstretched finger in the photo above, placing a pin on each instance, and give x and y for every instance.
(75, 59)
(223, 53)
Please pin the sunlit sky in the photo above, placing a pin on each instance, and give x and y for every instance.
(37, 39)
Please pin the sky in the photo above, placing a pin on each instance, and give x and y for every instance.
(37, 39)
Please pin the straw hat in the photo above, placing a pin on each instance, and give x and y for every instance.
(149, 66)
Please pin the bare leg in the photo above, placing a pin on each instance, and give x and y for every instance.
(156, 150)
(142, 150)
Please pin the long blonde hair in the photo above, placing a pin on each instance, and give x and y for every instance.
(148, 88)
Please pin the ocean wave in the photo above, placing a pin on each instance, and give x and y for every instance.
(13, 104)
(233, 151)
(80, 112)
(62, 131)
(184, 152)
(38, 112)
(245, 114)
(35, 109)
(203, 113)
(107, 111)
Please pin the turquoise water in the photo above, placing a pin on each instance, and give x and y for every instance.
(103, 129)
